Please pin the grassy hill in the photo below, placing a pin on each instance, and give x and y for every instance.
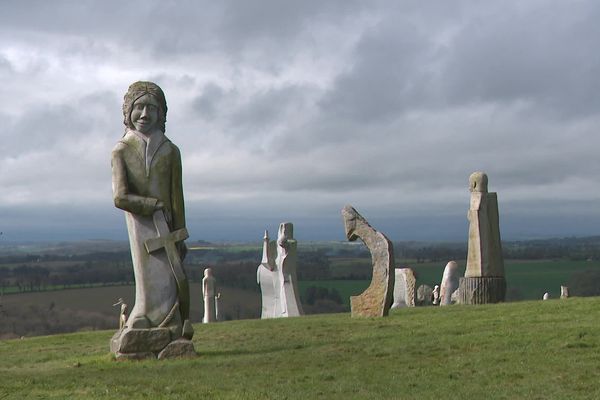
(524, 350)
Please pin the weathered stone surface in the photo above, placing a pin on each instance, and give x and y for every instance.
(209, 293)
(276, 275)
(404, 288)
(177, 349)
(376, 300)
(484, 257)
(424, 295)
(131, 340)
(482, 290)
(147, 186)
(564, 292)
(449, 283)
(455, 298)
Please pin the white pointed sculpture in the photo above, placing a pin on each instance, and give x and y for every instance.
(277, 275)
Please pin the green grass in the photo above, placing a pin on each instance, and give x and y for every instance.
(525, 350)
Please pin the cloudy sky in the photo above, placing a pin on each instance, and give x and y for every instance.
(288, 110)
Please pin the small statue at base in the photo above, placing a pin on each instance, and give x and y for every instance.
(123, 313)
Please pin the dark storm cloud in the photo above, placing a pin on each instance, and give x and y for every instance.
(300, 107)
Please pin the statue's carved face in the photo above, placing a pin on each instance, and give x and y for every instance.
(144, 114)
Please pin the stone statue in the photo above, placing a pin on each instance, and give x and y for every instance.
(435, 295)
(404, 288)
(146, 180)
(209, 294)
(424, 295)
(276, 275)
(123, 312)
(268, 280)
(449, 283)
(286, 265)
(484, 280)
(564, 292)
(377, 299)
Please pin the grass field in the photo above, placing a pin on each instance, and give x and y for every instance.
(524, 350)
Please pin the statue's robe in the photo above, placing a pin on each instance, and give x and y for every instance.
(144, 172)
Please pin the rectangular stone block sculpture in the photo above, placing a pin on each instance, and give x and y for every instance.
(276, 275)
(484, 280)
(404, 288)
(376, 300)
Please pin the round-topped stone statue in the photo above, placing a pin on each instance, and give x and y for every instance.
(146, 181)
(484, 280)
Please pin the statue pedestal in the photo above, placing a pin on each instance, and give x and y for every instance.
(482, 290)
(131, 343)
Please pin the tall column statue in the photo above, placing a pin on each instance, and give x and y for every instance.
(484, 280)
(146, 180)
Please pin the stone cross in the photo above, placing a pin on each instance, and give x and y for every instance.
(377, 299)
(168, 240)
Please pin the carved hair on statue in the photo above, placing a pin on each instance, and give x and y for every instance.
(139, 89)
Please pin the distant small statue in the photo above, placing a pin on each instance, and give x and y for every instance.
(564, 292)
(546, 296)
(209, 294)
(217, 313)
(435, 295)
(123, 313)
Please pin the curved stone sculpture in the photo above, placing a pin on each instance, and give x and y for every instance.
(376, 300)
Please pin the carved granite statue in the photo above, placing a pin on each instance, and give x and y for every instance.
(209, 294)
(404, 288)
(376, 300)
(449, 283)
(484, 280)
(146, 179)
(276, 275)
